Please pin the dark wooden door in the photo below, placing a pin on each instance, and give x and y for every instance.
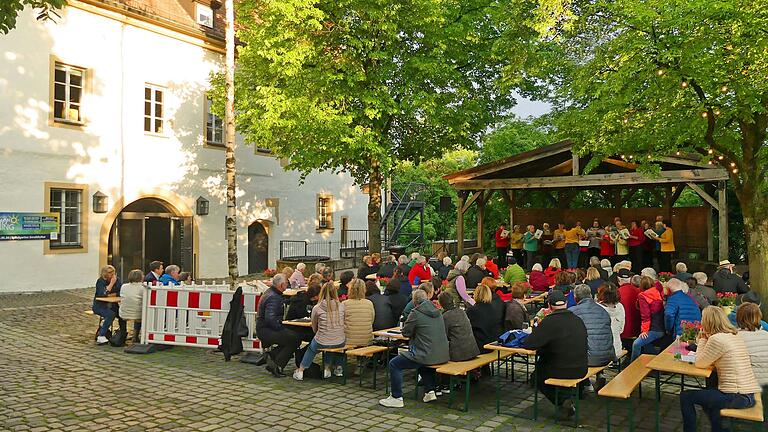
(258, 248)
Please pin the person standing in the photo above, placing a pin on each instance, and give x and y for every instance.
(516, 245)
(502, 245)
(155, 272)
(270, 329)
(428, 345)
(635, 242)
(560, 342)
(720, 346)
(558, 241)
(572, 251)
(531, 246)
(594, 235)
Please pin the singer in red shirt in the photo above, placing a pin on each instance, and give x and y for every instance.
(502, 245)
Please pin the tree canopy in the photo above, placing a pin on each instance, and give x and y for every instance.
(357, 85)
(10, 9)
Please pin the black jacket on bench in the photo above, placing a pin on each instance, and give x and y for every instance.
(560, 342)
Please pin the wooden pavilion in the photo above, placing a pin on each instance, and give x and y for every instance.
(559, 173)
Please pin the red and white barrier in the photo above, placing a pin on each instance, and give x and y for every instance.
(194, 315)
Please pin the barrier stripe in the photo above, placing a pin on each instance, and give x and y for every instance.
(153, 298)
(216, 301)
(193, 301)
(173, 298)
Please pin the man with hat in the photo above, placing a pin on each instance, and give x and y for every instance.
(726, 281)
(750, 297)
(560, 342)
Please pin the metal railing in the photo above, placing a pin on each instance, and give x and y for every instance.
(355, 247)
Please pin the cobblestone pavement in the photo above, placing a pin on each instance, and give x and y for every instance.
(53, 377)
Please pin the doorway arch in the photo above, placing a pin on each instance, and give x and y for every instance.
(150, 229)
(258, 247)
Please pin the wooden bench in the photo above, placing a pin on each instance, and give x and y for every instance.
(367, 352)
(343, 351)
(454, 369)
(623, 385)
(754, 414)
(572, 386)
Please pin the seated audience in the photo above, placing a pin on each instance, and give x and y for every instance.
(515, 313)
(681, 272)
(593, 279)
(382, 311)
(132, 295)
(605, 264)
(482, 316)
(300, 306)
(397, 301)
(538, 280)
(402, 264)
(155, 272)
(171, 275)
(315, 278)
(608, 298)
(564, 282)
(402, 283)
(445, 268)
(600, 350)
(690, 285)
(750, 297)
(458, 329)
(458, 273)
(594, 262)
(560, 341)
(725, 280)
(287, 271)
(436, 262)
(496, 301)
(651, 273)
(344, 279)
(514, 272)
(702, 288)
(420, 272)
(628, 296)
(185, 278)
(387, 268)
(297, 278)
(358, 315)
(366, 268)
(319, 267)
(327, 275)
(492, 268)
(651, 306)
(428, 345)
(108, 285)
(720, 346)
(270, 329)
(476, 273)
(328, 319)
(680, 307)
(427, 288)
(755, 338)
(552, 271)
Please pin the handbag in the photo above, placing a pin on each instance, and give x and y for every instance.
(513, 338)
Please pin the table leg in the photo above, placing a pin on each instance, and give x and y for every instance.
(608, 414)
(535, 394)
(498, 402)
(466, 394)
(658, 400)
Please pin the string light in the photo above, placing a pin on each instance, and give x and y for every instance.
(677, 153)
(735, 170)
(720, 157)
(684, 84)
(660, 72)
(704, 114)
(710, 151)
(631, 156)
(733, 164)
(649, 156)
(626, 121)
(709, 162)
(717, 112)
(724, 88)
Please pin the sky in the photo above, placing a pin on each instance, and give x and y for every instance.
(527, 108)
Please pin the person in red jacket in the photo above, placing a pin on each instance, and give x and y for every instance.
(420, 270)
(502, 245)
(493, 268)
(651, 307)
(607, 246)
(538, 280)
(628, 294)
(636, 239)
(551, 272)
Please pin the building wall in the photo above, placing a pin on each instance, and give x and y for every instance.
(112, 154)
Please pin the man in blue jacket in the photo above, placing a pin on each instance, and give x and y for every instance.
(680, 307)
(600, 350)
(270, 329)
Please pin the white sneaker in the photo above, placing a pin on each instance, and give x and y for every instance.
(327, 373)
(430, 396)
(339, 371)
(298, 375)
(101, 340)
(392, 402)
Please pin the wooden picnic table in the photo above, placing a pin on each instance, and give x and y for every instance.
(667, 363)
(391, 333)
(301, 322)
(290, 292)
(519, 352)
(110, 299)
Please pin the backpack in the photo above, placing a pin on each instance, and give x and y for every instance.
(118, 338)
(513, 338)
(314, 371)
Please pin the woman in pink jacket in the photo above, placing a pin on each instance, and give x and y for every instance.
(651, 307)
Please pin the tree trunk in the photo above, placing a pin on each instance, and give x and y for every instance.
(757, 248)
(374, 209)
(231, 221)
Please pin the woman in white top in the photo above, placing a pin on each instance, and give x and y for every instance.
(748, 318)
(608, 297)
(132, 301)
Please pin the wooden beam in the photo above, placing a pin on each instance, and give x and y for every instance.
(575, 163)
(593, 180)
(683, 161)
(722, 224)
(668, 203)
(509, 162)
(704, 195)
(625, 199)
(621, 163)
(511, 204)
(480, 221)
(678, 191)
(471, 200)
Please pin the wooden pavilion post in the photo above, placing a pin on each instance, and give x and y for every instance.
(460, 223)
(722, 224)
(480, 218)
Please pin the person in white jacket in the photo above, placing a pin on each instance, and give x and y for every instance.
(748, 318)
(132, 301)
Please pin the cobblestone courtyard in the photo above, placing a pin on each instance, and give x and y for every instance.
(53, 377)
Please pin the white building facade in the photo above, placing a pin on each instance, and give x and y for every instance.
(108, 103)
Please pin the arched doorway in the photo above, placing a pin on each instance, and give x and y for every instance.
(146, 230)
(258, 248)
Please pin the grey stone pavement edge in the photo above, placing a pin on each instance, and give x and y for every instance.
(53, 377)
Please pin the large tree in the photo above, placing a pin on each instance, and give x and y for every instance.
(656, 77)
(230, 225)
(10, 9)
(355, 85)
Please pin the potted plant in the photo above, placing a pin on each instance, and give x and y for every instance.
(727, 301)
(687, 341)
(664, 277)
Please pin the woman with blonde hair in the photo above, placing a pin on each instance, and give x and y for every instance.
(358, 315)
(108, 285)
(720, 346)
(486, 326)
(593, 279)
(328, 324)
(554, 268)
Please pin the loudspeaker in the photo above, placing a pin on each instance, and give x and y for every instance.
(445, 204)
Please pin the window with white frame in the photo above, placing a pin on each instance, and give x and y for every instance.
(69, 204)
(204, 15)
(324, 212)
(68, 82)
(214, 126)
(153, 109)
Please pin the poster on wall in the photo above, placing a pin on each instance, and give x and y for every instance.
(29, 226)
